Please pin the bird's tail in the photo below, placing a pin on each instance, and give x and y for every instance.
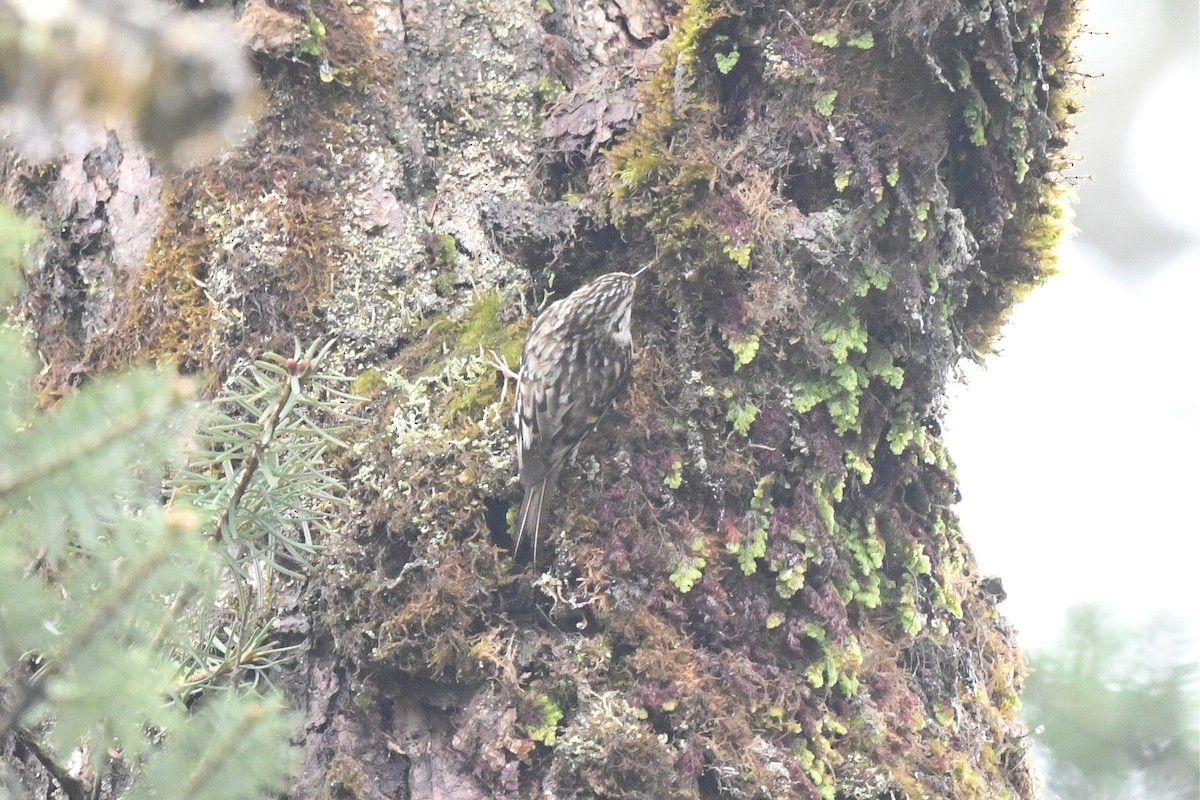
(530, 520)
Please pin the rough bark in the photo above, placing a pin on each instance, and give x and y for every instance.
(757, 585)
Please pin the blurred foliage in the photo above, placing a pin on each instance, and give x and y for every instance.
(180, 78)
(1118, 709)
(115, 609)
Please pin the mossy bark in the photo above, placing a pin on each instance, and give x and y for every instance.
(757, 586)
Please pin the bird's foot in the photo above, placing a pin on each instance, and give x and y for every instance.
(502, 366)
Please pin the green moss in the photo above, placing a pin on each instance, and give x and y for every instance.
(550, 89)
(826, 38)
(909, 617)
(545, 730)
(443, 284)
(445, 251)
(864, 584)
(470, 399)
(838, 665)
(646, 158)
(752, 544)
(674, 478)
(864, 41)
(687, 573)
(860, 466)
(824, 496)
(314, 43)
(726, 60)
(740, 254)
(879, 363)
(167, 314)
(744, 349)
(839, 391)
(790, 577)
(368, 382)
(344, 778)
(482, 326)
(869, 277)
(365, 698)
(975, 115)
(844, 332)
(741, 416)
(824, 104)
(480, 329)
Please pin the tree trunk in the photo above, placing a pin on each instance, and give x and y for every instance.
(754, 584)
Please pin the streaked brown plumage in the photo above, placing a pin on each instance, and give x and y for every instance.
(575, 363)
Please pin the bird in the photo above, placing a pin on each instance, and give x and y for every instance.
(575, 362)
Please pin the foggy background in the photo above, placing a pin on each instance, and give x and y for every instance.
(1076, 444)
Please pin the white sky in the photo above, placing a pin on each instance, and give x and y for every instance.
(1077, 446)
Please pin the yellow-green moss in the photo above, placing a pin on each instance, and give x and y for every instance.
(167, 314)
(368, 382)
(545, 730)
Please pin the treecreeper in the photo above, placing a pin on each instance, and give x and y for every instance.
(575, 363)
